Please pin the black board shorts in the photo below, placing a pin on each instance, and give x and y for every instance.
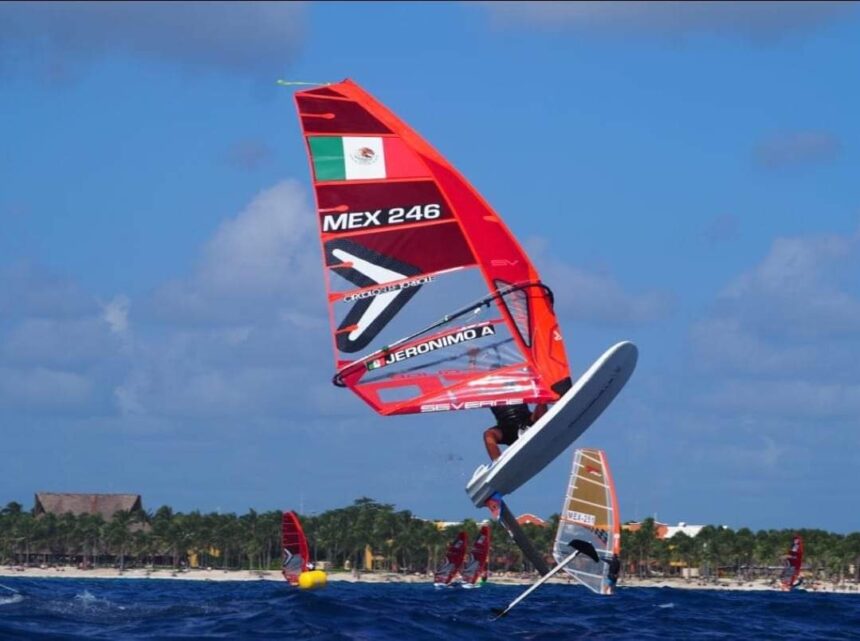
(510, 433)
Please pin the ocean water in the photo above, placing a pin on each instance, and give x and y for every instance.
(166, 609)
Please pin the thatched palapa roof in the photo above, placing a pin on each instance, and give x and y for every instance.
(104, 504)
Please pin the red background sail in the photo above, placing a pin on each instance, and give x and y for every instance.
(477, 567)
(453, 560)
(293, 539)
(793, 563)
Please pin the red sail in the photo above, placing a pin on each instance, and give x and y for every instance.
(295, 548)
(476, 567)
(453, 560)
(433, 303)
(793, 562)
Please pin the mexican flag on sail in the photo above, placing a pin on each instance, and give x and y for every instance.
(363, 158)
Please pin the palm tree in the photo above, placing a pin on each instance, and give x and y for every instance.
(13, 508)
(643, 542)
(852, 552)
(686, 549)
(118, 533)
(226, 535)
(91, 527)
(250, 540)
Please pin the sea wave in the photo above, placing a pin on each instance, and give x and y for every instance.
(165, 609)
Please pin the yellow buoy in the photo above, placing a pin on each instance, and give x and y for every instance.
(312, 580)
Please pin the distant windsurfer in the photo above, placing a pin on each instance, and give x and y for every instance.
(511, 421)
(793, 561)
(612, 576)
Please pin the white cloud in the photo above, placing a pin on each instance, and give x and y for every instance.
(245, 334)
(115, 314)
(27, 291)
(783, 339)
(756, 20)
(803, 399)
(268, 368)
(265, 249)
(43, 389)
(803, 287)
(724, 344)
(797, 148)
(58, 352)
(126, 400)
(263, 262)
(758, 456)
(78, 343)
(593, 297)
(243, 37)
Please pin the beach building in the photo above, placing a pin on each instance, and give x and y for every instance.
(104, 504)
(660, 529)
(664, 530)
(103, 540)
(682, 528)
(373, 561)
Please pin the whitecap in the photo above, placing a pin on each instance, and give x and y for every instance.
(15, 598)
(86, 596)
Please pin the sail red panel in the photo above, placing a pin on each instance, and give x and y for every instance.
(414, 257)
(337, 116)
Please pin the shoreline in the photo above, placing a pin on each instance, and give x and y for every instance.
(195, 574)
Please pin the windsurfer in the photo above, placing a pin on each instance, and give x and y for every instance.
(511, 422)
(614, 570)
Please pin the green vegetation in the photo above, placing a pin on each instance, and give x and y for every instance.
(742, 554)
(399, 542)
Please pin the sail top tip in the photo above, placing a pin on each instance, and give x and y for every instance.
(301, 83)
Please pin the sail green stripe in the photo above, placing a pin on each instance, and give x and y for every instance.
(327, 155)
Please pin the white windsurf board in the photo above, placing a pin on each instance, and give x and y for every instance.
(558, 428)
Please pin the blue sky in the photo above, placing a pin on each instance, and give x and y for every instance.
(683, 175)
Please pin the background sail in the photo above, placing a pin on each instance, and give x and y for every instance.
(589, 513)
(476, 566)
(408, 246)
(295, 547)
(793, 563)
(453, 560)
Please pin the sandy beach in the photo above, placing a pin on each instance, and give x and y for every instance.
(195, 574)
